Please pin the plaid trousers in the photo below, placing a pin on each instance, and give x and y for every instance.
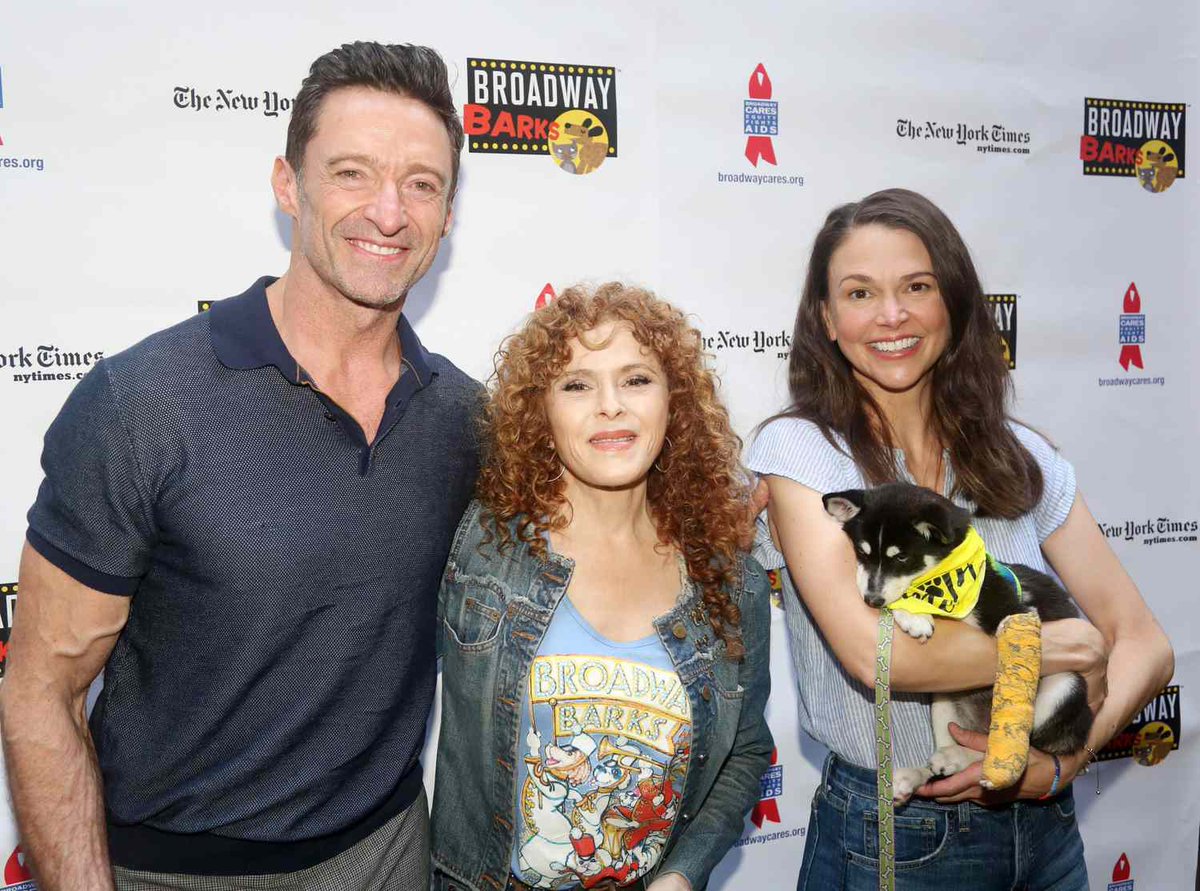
(395, 857)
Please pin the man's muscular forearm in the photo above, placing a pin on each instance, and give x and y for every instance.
(56, 790)
(61, 637)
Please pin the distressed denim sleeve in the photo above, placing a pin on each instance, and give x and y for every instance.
(718, 823)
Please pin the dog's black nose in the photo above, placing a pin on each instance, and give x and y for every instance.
(875, 601)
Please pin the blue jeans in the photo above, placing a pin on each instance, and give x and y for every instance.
(1027, 845)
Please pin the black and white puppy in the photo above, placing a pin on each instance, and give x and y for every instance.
(899, 531)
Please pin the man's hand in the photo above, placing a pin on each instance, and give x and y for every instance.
(755, 506)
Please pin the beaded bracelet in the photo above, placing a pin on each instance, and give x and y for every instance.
(1057, 777)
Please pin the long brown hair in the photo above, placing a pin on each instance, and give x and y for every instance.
(970, 383)
(696, 489)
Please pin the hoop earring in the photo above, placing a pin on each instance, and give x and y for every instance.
(561, 468)
(657, 465)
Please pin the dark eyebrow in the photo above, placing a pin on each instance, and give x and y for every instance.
(859, 277)
(365, 160)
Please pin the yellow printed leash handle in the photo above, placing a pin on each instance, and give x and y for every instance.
(883, 751)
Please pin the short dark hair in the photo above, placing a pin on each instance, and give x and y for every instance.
(417, 72)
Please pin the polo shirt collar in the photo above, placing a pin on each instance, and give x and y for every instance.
(244, 336)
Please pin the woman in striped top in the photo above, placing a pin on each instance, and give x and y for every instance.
(895, 375)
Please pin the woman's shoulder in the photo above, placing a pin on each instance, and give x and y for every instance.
(1058, 480)
(1044, 452)
(799, 449)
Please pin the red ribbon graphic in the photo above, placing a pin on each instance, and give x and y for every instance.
(1131, 353)
(1121, 870)
(760, 146)
(767, 809)
(15, 869)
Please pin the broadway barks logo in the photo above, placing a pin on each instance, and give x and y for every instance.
(1129, 138)
(1005, 308)
(1151, 735)
(568, 112)
(8, 603)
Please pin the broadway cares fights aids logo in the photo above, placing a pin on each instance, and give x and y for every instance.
(568, 112)
(1145, 140)
(1121, 873)
(16, 873)
(761, 118)
(1131, 336)
(11, 163)
(760, 126)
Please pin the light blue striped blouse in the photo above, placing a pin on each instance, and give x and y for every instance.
(835, 708)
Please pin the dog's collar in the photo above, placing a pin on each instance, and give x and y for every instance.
(951, 588)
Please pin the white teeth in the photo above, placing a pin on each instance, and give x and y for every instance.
(382, 250)
(895, 346)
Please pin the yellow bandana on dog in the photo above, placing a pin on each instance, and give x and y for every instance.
(951, 588)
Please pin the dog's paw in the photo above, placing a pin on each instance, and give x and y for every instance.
(951, 759)
(906, 781)
(920, 627)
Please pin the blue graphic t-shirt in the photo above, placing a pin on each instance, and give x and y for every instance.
(606, 729)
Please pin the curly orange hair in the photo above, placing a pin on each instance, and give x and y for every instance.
(696, 490)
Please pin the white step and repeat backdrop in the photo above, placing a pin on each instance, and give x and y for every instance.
(136, 141)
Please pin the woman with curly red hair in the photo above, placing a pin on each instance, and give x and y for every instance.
(604, 642)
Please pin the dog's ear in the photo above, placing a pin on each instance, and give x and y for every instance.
(843, 506)
(942, 520)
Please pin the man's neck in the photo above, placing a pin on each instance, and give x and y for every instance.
(332, 338)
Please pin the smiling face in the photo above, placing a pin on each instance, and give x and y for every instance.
(885, 309)
(372, 200)
(608, 410)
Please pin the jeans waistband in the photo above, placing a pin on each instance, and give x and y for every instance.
(840, 774)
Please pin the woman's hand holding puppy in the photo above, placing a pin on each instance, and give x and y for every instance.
(1077, 645)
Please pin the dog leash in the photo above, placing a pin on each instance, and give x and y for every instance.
(883, 752)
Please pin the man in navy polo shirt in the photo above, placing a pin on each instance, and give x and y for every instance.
(243, 522)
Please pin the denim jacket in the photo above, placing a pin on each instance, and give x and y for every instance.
(494, 609)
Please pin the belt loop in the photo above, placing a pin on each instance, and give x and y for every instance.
(827, 769)
(964, 816)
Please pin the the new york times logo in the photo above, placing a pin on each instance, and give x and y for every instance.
(568, 112)
(268, 103)
(47, 362)
(1004, 306)
(986, 138)
(776, 343)
(1153, 530)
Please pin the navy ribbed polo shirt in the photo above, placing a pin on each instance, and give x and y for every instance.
(265, 704)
